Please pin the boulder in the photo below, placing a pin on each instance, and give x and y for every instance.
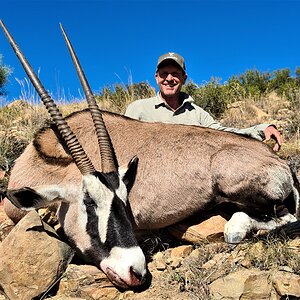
(86, 282)
(287, 284)
(6, 225)
(33, 258)
(211, 229)
(249, 284)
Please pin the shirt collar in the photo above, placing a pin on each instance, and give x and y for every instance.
(158, 101)
(186, 99)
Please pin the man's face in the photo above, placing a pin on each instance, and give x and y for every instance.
(170, 79)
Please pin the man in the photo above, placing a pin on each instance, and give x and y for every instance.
(170, 105)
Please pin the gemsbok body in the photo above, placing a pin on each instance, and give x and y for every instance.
(183, 171)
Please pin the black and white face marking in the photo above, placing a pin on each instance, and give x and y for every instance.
(95, 217)
(105, 235)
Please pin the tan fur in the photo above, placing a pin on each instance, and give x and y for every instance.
(183, 170)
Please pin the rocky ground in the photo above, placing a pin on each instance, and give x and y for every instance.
(202, 270)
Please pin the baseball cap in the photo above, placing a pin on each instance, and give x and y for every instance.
(171, 56)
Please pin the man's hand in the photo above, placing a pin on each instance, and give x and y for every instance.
(272, 132)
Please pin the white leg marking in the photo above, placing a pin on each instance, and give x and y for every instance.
(240, 224)
(237, 227)
(297, 203)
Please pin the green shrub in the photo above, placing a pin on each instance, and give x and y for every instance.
(279, 78)
(254, 82)
(4, 72)
(117, 98)
(213, 96)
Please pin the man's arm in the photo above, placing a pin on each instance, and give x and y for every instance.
(260, 132)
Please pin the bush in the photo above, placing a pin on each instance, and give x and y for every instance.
(254, 82)
(214, 97)
(4, 72)
(116, 99)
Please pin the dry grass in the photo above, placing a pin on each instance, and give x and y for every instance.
(18, 123)
(270, 109)
(118, 98)
(194, 275)
(275, 254)
(210, 261)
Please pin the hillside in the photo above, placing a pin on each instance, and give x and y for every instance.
(256, 269)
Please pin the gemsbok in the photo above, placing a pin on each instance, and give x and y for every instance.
(183, 171)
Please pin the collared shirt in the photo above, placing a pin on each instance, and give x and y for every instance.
(156, 110)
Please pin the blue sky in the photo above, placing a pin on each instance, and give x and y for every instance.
(120, 41)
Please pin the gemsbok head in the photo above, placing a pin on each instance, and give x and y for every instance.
(95, 214)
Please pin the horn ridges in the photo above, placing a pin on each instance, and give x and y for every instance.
(82, 161)
(108, 158)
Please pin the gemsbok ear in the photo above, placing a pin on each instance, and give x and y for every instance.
(24, 198)
(29, 199)
(130, 174)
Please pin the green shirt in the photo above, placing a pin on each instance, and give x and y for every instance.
(156, 110)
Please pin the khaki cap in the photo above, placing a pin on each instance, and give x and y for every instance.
(171, 56)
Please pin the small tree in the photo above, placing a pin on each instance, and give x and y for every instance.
(280, 78)
(213, 96)
(254, 82)
(297, 73)
(4, 72)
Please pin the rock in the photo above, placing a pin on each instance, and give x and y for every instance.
(32, 258)
(218, 259)
(287, 283)
(2, 175)
(6, 225)
(211, 230)
(286, 269)
(160, 265)
(175, 263)
(158, 256)
(242, 284)
(256, 284)
(295, 244)
(65, 298)
(87, 282)
(181, 251)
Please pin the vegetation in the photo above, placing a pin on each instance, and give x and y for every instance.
(253, 84)
(216, 260)
(118, 98)
(4, 72)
